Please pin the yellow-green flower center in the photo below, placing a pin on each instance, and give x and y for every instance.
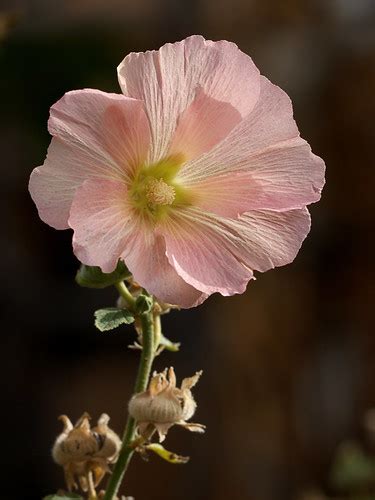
(155, 191)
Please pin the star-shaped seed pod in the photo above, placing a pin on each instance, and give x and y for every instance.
(163, 405)
(84, 451)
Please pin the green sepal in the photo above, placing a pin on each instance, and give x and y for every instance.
(63, 496)
(112, 317)
(169, 456)
(143, 304)
(168, 344)
(93, 277)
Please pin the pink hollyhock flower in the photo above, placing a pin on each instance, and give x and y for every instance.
(195, 175)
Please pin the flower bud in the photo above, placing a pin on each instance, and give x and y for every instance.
(163, 405)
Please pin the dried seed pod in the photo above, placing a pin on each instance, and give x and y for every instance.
(164, 405)
(108, 441)
(82, 450)
(74, 443)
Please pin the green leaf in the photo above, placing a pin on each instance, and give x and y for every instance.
(143, 304)
(112, 317)
(63, 496)
(93, 277)
(169, 456)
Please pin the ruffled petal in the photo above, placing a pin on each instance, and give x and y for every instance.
(203, 124)
(226, 195)
(217, 254)
(285, 177)
(102, 221)
(110, 128)
(145, 257)
(98, 135)
(270, 239)
(53, 185)
(266, 153)
(167, 81)
(203, 253)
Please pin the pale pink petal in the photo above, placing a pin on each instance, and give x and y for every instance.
(53, 185)
(203, 124)
(167, 81)
(269, 123)
(270, 239)
(265, 153)
(285, 177)
(99, 135)
(145, 257)
(216, 254)
(108, 128)
(202, 253)
(102, 221)
(226, 195)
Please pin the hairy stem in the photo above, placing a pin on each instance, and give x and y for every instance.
(143, 375)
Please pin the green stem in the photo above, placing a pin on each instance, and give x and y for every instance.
(141, 383)
(157, 331)
(125, 294)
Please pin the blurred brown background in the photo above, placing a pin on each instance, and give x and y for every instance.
(289, 366)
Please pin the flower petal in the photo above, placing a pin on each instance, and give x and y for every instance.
(226, 195)
(53, 185)
(203, 253)
(270, 239)
(203, 124)
(101, 218)
(266, 153)
(99, 135)
(145, 257)
(110, 128)
(285, 177)
(167, 81)
(217, 254)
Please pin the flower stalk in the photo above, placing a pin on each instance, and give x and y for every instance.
(143, 375)
(126, 295)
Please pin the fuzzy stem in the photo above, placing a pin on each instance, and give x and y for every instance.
(143, 376)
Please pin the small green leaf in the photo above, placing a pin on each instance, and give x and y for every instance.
(169, 456)
(112, 317)
(93, 277)
(63, 496)
(143, 304)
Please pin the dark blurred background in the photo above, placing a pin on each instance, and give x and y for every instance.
(289, 367)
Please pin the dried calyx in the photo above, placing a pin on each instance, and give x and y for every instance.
(85, 452)
(163, 405)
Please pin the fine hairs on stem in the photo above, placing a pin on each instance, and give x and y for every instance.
(143, 375)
